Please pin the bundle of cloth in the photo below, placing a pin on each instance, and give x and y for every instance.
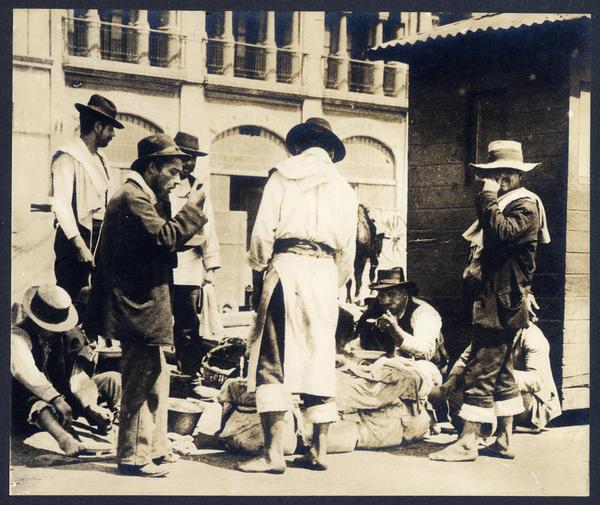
(380, 405)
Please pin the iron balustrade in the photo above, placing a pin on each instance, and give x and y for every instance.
(215, 63)
(395, 81)
(118, 42)
(361, 76)
(250, 61)
(289, 65)
(332, 64)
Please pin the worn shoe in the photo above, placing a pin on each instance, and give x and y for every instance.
(147, 470)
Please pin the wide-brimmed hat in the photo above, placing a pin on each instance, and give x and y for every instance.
(394, 277)
(160, 145)
(102, 107)
(50, 307)
(189, 144)
(319, 129)
(505, 154)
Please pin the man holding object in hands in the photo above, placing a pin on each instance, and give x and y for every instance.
(510, 222)
(130, 298)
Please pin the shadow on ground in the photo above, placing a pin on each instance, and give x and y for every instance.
(32, 457)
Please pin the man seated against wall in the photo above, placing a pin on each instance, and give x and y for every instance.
(52, 369)
(399, 323)
(531, 355)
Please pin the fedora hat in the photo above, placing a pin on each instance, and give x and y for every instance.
(393, 277)
(505, 154)
(50, 307)
(319, 129)
(160, 145)
(100, 106)
(188, 144)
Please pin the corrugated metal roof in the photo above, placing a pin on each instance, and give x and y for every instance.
(478, 23)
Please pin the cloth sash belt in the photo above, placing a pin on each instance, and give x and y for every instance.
(302, 247)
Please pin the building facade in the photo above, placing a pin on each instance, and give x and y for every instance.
(237, 80)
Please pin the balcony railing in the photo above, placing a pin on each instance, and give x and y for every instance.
(119, 42)
(361, 76)
(289, 65)
(395, 81)
(250, 61)
(332, 72)
(215, 62)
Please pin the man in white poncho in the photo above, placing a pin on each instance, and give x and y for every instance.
(302, 251)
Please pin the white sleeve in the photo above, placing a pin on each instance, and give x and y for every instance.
(210, 247)
(63, 179)
(265, 226)
(426, 324)
(344, 257)
(24, 369)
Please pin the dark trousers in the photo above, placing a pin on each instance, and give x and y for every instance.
(144, 404)
(70, 273)
(488, 375)
(186, 330)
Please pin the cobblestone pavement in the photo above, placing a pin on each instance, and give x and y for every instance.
(551, 463)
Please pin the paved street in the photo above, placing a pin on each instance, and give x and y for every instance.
(552, 463)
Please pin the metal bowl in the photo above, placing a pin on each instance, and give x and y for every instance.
(183, 415)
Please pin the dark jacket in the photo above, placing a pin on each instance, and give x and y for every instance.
(130, 296)
(510, 240)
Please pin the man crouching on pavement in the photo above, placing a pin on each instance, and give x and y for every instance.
(303, 242)
(50, 382)
(130, 298)
(504, 241)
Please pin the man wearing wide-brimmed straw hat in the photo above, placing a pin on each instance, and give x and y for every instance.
(302, 250)
(80, 191)
(197, 263)
(51, 370)
(130, 299)
(511, 221)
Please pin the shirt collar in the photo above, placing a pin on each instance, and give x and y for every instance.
(136, 177)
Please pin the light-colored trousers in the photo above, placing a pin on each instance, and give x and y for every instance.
(144, 404)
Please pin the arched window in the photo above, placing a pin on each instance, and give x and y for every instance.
(246, 150)
(367, 158)
(122, 150)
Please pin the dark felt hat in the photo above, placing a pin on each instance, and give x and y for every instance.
(50, 307)
(319, 129)
(393, 277)
(160, 145)
(100, 106)
(189, 144)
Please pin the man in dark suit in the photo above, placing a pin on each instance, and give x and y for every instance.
(510, 222)
(130, 298)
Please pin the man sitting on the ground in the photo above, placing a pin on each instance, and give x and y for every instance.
(51, 367)
(531, 355)
(399, 323)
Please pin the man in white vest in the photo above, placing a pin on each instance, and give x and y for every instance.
(197, 263)
(80, 191)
